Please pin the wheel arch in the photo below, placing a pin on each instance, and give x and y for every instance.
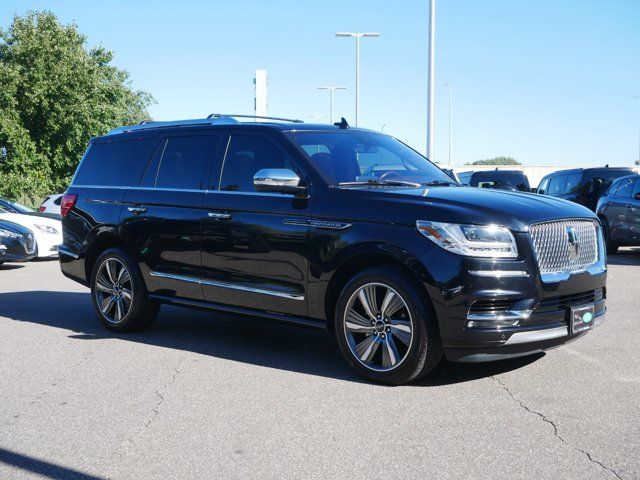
(100, 240)
(367, 256)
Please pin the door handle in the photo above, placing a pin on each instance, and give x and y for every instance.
(137, 210)
(219, 216)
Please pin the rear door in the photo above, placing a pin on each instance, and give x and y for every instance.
(617, 208)
(162, 215)
(633, 213)
(255, 243)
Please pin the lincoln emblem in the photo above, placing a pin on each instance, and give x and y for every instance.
(574, 244)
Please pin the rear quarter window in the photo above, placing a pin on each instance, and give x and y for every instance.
(116, 163)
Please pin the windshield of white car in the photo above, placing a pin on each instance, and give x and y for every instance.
(347, 156)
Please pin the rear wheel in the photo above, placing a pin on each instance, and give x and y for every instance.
(612, 247)
(386, 328)
(119, 294)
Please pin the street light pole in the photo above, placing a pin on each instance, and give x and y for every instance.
(450, 123)
(357, 36)
(431, 79)
(331, 89)
(636, 97)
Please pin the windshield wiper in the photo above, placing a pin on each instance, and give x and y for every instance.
(440, 183)
(386, 183)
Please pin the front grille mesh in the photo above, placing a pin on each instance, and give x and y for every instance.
(552, 247)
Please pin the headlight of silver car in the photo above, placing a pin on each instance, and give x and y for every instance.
(46, 228)
(486, 241)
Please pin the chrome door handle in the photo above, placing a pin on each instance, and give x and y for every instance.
(220, 216)
(137, 210)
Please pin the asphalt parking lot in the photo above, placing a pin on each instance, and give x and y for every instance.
(205, 396)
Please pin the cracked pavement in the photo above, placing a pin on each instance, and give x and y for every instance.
(201, 395)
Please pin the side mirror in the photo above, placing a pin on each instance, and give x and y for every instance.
(636, 196)
(278, 180)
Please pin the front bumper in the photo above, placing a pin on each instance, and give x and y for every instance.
(15, 250)
(496, 309)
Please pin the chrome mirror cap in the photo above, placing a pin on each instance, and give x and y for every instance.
(281, 180)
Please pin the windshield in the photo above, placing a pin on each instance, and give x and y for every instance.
(367, 157)
(18, 207)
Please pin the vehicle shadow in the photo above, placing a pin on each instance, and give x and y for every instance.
(625, 256)
(11, 266)
(41, 467)
(240, 339)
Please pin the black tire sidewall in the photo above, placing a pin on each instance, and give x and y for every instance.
(426, 340)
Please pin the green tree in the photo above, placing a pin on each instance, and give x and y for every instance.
(55, 94)
(497, 161)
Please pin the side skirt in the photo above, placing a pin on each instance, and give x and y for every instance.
(245, 312)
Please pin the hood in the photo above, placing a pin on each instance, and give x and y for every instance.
(516, 210)
(29, 221)
(13, 227)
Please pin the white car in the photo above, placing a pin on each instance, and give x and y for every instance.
(51, 204)
(47, 231)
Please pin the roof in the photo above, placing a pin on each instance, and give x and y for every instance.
(227, 120)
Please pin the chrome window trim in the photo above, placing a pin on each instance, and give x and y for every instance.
(231, 286)
(499, 273)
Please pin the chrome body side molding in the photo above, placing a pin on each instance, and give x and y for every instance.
(231, 286)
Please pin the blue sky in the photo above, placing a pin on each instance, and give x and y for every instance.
(545, 81)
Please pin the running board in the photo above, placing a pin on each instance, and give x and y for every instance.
(245, 312)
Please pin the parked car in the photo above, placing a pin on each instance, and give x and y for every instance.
(16, 207)
(17, 243)
(514, 180)
(47, 231)
(581, 185)
(619, 213)
(51, 204)
(337, 228)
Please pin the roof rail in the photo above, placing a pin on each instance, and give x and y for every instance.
(233, 115)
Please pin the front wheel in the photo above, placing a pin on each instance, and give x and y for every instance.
(119, 293)
(386, 328)
(611, 246)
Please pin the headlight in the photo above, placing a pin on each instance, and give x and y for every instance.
(7, 233)
(46, 228)
(487, 241)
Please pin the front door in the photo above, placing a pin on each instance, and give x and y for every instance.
(162, 215)
(254, 251)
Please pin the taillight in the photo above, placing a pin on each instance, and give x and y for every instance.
(42, 208)
(68, 202)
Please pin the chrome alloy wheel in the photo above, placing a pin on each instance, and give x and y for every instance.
(378, 327)
(113, 290)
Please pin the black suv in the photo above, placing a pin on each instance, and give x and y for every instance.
(619, 212)
(581, 185)
(337, 228)
(514, 180)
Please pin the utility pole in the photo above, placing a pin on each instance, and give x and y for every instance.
(357, 36)
(431, 80)
(331, 89)
(450, 123)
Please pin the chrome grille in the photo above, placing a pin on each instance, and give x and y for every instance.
(553, 246)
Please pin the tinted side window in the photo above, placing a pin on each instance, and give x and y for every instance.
(113, 163)
(625, 187)
(179, 162)
(556, 185)
(246, 155)
(572, 184)
(542, 188)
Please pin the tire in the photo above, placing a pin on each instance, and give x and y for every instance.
(130, 309)
(611, 246)
(401, 355)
